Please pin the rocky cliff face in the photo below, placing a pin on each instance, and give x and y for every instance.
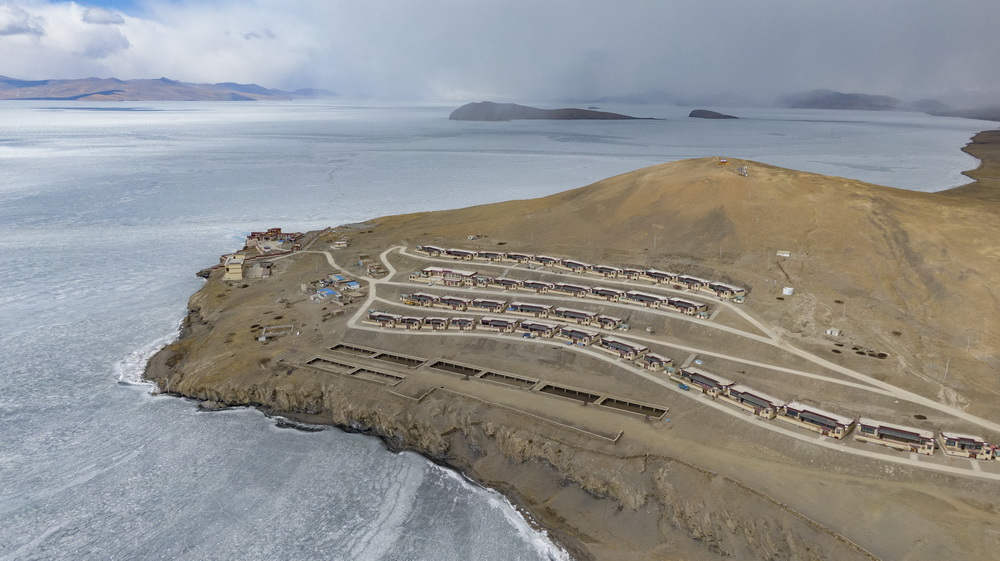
(598, 501)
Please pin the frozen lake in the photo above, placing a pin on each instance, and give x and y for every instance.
(106, 212)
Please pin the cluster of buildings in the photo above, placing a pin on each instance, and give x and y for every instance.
(834, 425)
(529, 327)
(273, 235)
(676, 280)
(472, 279)
(536, 324)
(334, 287)
(240, 265)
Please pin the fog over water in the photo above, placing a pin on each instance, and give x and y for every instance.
(105, 216)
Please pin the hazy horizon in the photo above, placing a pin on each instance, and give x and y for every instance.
(723, 52)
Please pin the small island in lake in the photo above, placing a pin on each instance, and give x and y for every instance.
(706, 114)
(491, 111)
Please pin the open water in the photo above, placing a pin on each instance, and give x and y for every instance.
(106, 212)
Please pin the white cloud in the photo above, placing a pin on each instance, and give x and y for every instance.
(518, 49)
(101, 16)
(14, 20)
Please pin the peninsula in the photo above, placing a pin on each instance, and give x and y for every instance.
(490, 111)
(702, 360)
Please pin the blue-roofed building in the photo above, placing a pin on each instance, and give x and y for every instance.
(328, 293)
(352, 285)
(338, 278)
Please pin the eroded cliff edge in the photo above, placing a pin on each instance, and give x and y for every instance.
(698, 486)
(600, 500)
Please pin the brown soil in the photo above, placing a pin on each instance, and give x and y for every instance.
(908, 274)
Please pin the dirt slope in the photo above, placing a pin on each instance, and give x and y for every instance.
(913, 274)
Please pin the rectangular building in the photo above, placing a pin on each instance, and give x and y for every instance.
(454, 302)
(419, 299)
(490, 305)
(645, 298)
(570, 289)
(431, 250)
(624, 349)
(537, 286)
(507, 284)
(458, 277)
(462, 324)
(691, 282)
(463, 254)
(579, 316)
(759, 403)
(578, 336)
(632, 273)
(812, 418)
(546, 260)
(529, 309)
(410, 322)
(450, 277)
(503, 325)
(516, 257)
(709, 383)
(437, 323)
(494, 256)
(687, 306)
(965, 446)
(607, 271)
(723, 290)
(654, 362)
(900, 437)
(609, 294)
(609, 322)
(574, 265)
(537, 328)
(234, 267)
(384, 319)
(482, 281)
(659, 276)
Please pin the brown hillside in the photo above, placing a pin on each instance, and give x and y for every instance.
(913, 274)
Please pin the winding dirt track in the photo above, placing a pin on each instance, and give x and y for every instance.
(874, 386)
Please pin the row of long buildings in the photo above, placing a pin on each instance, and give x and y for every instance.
(530, 327)
(495, 306)
(473, 279)
(656, 276)
(826, 423)
(834, 425)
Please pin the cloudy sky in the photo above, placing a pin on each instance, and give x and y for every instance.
(511, 49)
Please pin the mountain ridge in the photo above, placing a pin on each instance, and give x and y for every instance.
(143, 89)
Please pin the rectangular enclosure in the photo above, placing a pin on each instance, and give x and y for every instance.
(455, 368)
(509, 379)
(570, 393)
(632, 407)
(408, 361)
(351, 349)
(331, 365)
(376, 376)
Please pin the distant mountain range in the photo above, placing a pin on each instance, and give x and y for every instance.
(161, 89)
(829, 99)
